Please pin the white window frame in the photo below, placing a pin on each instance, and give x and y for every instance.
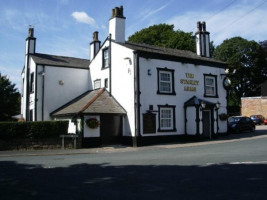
(210, 89)
(166, 118)
(97, 84)
(106, 58)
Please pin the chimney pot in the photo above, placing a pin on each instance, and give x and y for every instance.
(31, 32)
(95, 36)
(204, 26)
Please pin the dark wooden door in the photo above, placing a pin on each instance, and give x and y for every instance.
(110, 129)
(207, 123)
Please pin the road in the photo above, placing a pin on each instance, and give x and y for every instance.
(233, 167)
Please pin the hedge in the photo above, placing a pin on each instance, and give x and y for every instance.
(32, 130)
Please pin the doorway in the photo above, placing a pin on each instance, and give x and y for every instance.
(110, 129)
(207, 123)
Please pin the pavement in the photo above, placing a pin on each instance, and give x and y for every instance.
(261, 132)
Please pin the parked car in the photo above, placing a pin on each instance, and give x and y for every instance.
(238, 124)
(257, 119)
(265, 121)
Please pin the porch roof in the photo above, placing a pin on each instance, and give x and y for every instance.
(195, 101)
(92, 102)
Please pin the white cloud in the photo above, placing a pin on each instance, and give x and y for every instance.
(82, 17)
(239, 20)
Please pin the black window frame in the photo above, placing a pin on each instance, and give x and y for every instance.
(172, 92)
(216, 86)
(103, 58)
(32, 82)
(106, 83)
(173, 107)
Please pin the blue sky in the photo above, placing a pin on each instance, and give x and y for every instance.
(65, 27)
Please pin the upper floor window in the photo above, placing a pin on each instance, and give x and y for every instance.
(105, 58)
(166, 81)
(32, 82)
(210, 82)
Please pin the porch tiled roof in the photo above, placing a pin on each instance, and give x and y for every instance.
(92, 102)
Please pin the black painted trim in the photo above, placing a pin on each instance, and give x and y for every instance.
(173, 80)
(43, 92)
(174, 118)
(35, 94)
(197, 120)
(63, 66)
(110, 66)
(216, 86)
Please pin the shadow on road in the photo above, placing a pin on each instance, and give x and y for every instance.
(85, 181)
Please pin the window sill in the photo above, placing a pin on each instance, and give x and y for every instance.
(208, 96)
(163, 93)
(171, 130)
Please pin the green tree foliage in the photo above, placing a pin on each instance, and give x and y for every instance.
(247, 66)
(164, 35)
(9, 99)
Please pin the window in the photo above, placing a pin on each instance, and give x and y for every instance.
(32, 82)
(167, 118)
(210, 82)
(166, 81)
(106, 83)
(105, 58)
(97, 84)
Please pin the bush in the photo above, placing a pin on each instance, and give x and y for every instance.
(32, 130)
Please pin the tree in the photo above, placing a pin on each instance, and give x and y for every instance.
(247, 66)
(9, 99)
(164, 35)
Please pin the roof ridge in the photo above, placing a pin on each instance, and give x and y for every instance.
(92, 100)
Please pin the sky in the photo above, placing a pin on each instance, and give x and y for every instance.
(65, 27)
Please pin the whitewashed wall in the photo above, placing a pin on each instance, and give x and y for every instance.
(89, 132)
(96, 68)
(149, 96)
(122, 70)
(76, 82)
(191, 121)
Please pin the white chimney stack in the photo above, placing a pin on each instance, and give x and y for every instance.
(117, 25)
(202, 40)
(30, 42)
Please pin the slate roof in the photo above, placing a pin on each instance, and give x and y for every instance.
(92, 102)
(61, 61)
(168, 53)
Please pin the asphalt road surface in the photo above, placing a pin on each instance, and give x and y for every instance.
(232, 167)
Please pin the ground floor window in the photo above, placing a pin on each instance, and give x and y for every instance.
(166, 118)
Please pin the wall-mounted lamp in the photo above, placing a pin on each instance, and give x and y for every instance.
(218, 104)
(42, 73)
(203, 104)
(149, 72)
(61, 82)
(129, 59)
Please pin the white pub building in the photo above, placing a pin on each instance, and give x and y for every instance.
(127, 93)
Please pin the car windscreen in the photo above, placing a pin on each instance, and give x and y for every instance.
(234, 119)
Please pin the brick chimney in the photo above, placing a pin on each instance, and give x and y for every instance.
(30, 42)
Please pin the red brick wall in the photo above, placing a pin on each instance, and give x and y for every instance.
(254, 106)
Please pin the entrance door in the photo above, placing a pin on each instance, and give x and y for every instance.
(110, 129)
(207, 123)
